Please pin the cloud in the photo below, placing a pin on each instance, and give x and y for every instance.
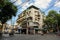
(25, 6)
(18, 2)
(57, 4)
(42, 3)
(12, 0)
(39, 3)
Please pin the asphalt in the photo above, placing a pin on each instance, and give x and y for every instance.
(30, 37)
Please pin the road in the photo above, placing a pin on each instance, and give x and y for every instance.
(30, 37)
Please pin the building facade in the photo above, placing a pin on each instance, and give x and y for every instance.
(32, 17)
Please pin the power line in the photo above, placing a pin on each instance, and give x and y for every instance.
(52, 5)
(14, 1)
(22, 4)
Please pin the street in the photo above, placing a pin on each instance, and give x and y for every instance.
(30, 37)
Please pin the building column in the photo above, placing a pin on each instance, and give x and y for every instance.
(34, 31)
(40, 31)
(26, 30)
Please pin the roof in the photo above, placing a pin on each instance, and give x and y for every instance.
(32, 6)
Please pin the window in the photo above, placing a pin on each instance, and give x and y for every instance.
(35, 19)
(21, 14)
(29, 11)
(38, 18)
(37, 12)
(28, 23)
(38, 15)
(29, 18)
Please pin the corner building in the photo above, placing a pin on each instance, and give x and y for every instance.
(31, 18)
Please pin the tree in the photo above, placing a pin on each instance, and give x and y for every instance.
(51, 19)
(7, 10)
(58, 18)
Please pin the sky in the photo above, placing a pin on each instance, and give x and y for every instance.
(43, 5)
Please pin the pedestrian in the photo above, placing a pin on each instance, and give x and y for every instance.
(19, 29)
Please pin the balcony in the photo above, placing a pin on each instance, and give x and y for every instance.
(33, 24)
(21, 18)
(37, 15)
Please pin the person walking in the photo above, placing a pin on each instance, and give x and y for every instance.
(19, 29)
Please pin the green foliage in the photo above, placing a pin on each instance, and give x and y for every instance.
(58, 17)
(7, 10)
(3, 3)
(52, 13)
(52, 19)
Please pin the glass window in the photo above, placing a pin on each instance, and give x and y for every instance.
(29, 11)
(37, 12)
